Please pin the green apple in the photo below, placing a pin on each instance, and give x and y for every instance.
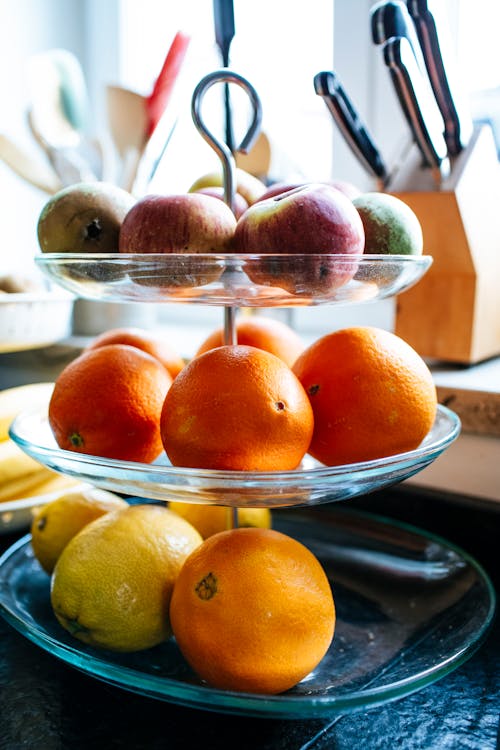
(391, 226)
(250, 187)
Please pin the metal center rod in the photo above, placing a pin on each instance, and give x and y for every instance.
(228, 172)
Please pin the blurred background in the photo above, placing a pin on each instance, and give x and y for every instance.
(279, 46)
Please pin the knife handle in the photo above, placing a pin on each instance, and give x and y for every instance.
(327, 85)
(418, 105)
(458, 126)
(390, 18)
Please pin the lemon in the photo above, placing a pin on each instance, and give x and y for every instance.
(210, 519)
(112, 584)
(59, 520)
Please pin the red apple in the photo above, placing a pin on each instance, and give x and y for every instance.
(347, 188)
(240, 204)
(313, 222)
(187, 223)
(190, 223)
(277, 188)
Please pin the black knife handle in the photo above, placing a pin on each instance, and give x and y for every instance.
(417, 103)
(327, 85)
(457, 127)
(390, 18)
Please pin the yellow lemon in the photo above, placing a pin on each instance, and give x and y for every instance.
(112, 584)
(60, 519)
(210, 519)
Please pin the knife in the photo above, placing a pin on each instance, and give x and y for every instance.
(391, 18)
(224, 33)
(418, 104)
(457, 124)
(328, 85)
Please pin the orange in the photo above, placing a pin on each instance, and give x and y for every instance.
(269, 334)
(252, 610)
(107, 402)
(150, 343)
(236, 407)
(371, 393)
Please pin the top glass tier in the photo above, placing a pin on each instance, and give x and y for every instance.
(235, 280)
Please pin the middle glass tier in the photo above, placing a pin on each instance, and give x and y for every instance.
(311, 483)
(235, 280)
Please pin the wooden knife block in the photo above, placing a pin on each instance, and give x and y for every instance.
(453, 313)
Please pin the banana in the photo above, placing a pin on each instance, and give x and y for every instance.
(21, 398)
(19, 472)
(15, 463)
(21, 476)
(55, 483)
(25, 486)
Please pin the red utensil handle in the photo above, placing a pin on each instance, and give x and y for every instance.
(157, 101)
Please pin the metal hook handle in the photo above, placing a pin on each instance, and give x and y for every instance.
(221, 149)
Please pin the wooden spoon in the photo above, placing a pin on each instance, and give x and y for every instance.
(33, 171)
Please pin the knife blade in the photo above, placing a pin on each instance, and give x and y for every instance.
(327, 84)
(418, 105)
(457, 122)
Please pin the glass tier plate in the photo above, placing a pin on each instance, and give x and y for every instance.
(410, 609)
(311, 483)
(235, 280)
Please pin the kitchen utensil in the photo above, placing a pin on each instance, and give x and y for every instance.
(24, 165)
(327, 85)
(224, 34)
(133, 118)
(76, 108)
(48, 117)
(258, 159)
(390, 18)
(128, 123)
(457, 121)
(418, 105)
(67, 163)
(127, 118)
(157, 101)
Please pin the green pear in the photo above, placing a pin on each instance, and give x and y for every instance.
(84, 218)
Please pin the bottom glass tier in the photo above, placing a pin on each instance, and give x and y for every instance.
(410, 609)
(310, 484)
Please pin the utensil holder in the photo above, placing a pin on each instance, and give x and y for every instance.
(453, 313)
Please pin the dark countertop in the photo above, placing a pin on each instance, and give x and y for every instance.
(45, 704)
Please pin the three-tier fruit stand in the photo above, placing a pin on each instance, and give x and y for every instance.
(410, 607)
